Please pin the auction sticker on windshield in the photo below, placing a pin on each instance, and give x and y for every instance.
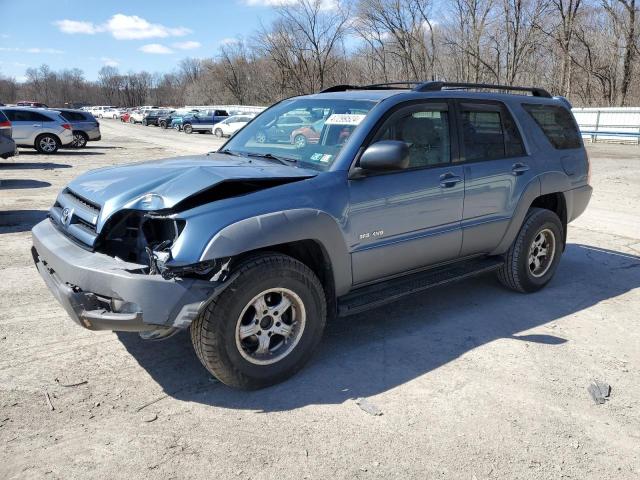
(344, 119)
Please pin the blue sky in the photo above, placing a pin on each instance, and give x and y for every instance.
(131, 35)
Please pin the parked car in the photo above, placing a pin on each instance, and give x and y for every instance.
(124, 116)
(7, 144)
(136, 116)
(203, 121)
(44, 130)
(280, 129)
(110, 113)
(84, 126)
(255, 246)
(26, 103)
(231, 125)
(152, 117)
(101, 111)
(166, 120)
(300, 137)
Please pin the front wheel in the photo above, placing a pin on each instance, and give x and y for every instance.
(163, 124)
(265, 326)
(535, 254)
(218, 132)
(187, 128)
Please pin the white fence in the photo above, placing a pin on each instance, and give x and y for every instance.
(609, 124)
(231, 109)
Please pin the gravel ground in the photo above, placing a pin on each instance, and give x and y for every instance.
(473, 381)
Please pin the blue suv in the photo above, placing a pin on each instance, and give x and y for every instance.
(253, 247)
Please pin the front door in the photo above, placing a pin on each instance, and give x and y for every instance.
(403, 220)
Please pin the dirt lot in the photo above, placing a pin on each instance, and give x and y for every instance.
(473, 381)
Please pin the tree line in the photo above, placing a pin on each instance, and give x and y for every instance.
(586, 50)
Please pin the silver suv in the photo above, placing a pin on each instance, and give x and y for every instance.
(44, 130)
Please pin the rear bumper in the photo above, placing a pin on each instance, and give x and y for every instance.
(102, 293)
(577, 200)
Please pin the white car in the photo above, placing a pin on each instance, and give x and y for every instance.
(44, 130)
(231, 125)
(136, 116)
(102, 111)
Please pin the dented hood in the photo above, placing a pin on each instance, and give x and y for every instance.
(162, 184)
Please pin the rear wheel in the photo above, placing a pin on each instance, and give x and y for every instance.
(47, 143)
(187, 128)
(80, 140)
(265, 326)
(535, 254)
(218, 132)
(163, 124)
(131, 120)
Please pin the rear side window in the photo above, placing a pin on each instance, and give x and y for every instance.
(3, 117)
(557, 123)
(73, 116)
(489, 132)
(26, 116)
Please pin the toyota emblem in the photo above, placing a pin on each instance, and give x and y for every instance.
(66, 216)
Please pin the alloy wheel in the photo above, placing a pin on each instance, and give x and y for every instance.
(270, 326)
(541, 252)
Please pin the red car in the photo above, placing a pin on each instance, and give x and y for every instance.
(302, 136)
(124, 117)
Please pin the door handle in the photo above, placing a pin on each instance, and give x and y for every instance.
(448, 180)
(519, 168)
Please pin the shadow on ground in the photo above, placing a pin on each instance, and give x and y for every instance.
(16, 184)
(373, 352)
(61, 153)
(20, 220)
(33, 166)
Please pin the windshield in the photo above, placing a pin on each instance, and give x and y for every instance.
(310, 132)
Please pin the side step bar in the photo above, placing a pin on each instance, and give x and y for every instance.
(373, 296)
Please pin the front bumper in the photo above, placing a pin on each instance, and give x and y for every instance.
(103, 293)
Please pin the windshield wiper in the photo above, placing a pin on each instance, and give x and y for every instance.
(270, 156)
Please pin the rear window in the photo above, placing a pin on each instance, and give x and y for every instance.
(557, 123)
(3, 117)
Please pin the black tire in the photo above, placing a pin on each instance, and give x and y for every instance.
(187, 128)
(144, 122)
(163, 124)
(213, 333)
(131, 120)
(80, 140)
(517, 273)
(218, 133)
(47, 143)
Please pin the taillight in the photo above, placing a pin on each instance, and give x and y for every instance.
(5, 124)
(66, 126)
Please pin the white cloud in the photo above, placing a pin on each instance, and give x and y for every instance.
(188, 45)
(324, 4)
(122, 27)
(74, 26)
(51, 51)
(109, 62)
(132, 27)
(155, 48)
(229, 41)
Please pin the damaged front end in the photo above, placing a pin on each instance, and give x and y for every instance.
(124, 282)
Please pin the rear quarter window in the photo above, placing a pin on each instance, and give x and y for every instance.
(557, 124)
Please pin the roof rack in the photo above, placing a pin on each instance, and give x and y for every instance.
(436, 86)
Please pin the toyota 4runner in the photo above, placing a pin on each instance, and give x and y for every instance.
(253, 247)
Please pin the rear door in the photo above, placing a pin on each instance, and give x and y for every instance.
(26, 125)
(497, 170)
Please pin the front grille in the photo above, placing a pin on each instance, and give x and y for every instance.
(76, 216)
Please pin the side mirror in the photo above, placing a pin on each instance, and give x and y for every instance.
(385, 155)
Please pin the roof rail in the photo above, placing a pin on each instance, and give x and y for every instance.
(438, 86)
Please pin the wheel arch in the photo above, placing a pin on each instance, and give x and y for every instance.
(311, 236)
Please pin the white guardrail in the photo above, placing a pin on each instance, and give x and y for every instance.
(609, 124)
